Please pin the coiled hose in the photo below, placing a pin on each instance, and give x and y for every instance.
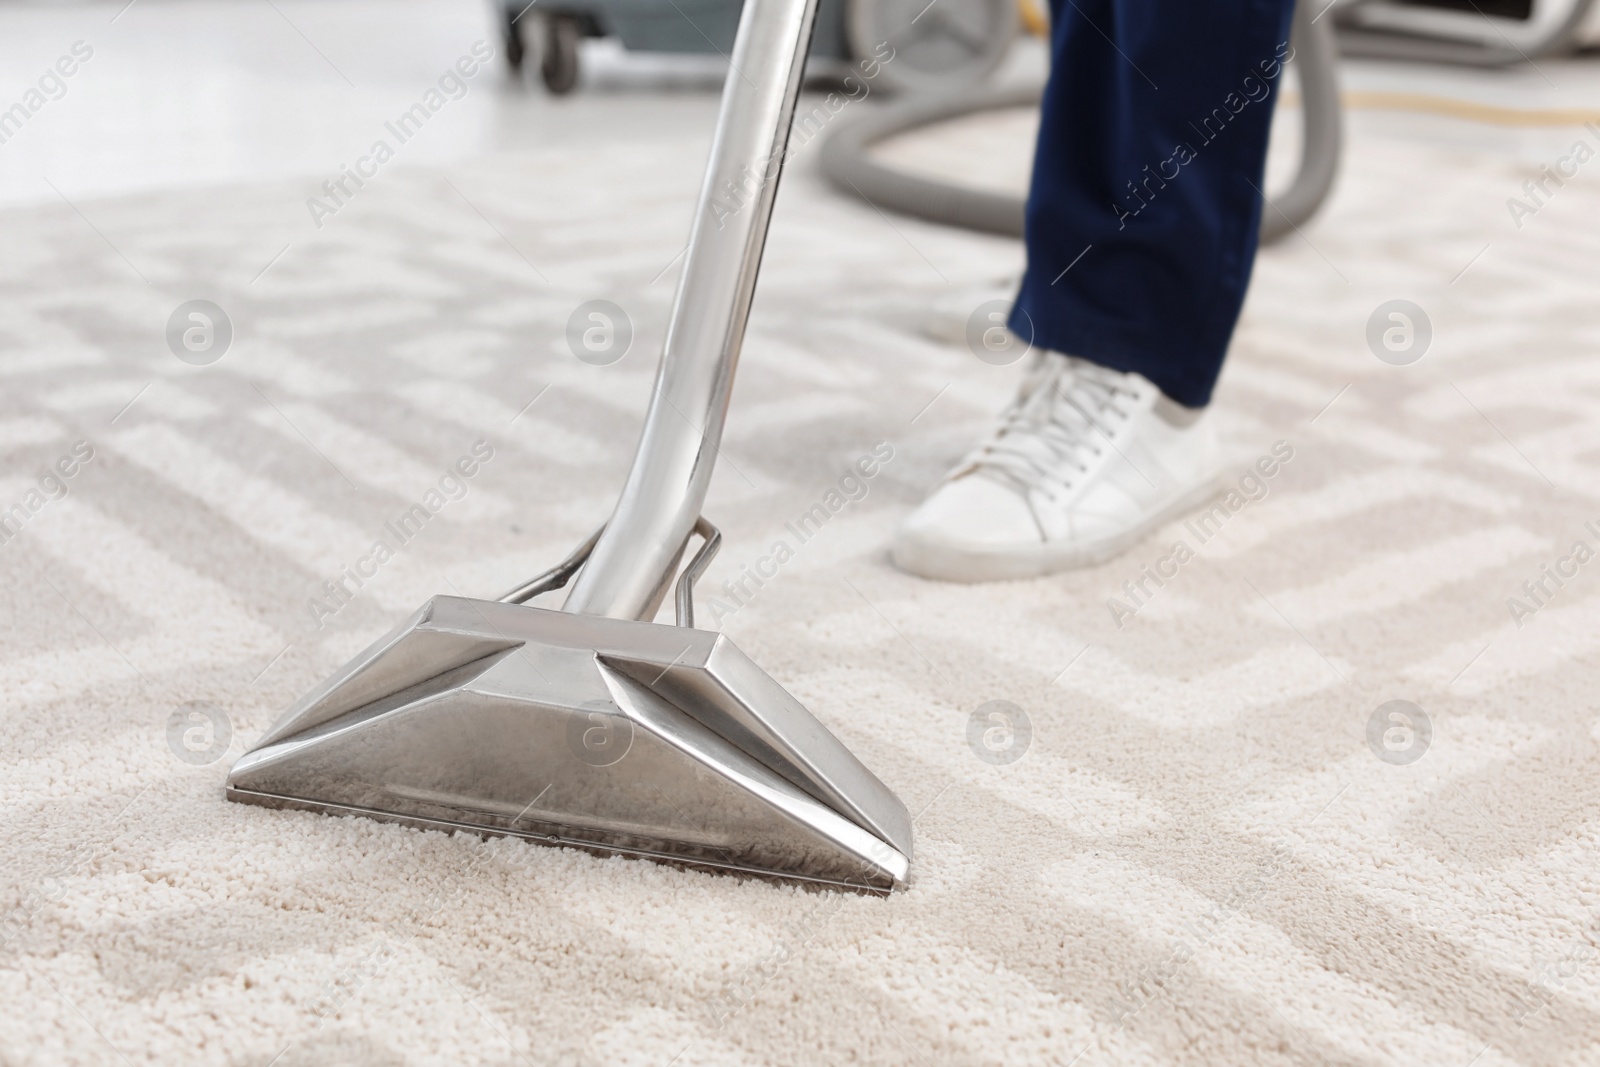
(847, 162)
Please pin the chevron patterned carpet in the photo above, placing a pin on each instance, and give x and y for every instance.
(1160, 820)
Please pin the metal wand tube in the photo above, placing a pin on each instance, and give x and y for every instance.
(634, 561)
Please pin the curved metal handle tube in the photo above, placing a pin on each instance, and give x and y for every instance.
(632, 566)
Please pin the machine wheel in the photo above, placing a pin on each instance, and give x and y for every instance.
(940, 47)
(511, 38)
(558, 67)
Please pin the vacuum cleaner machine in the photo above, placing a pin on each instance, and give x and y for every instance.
(946, 46)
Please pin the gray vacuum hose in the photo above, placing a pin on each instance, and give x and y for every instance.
(1316, 53)
(847, 162)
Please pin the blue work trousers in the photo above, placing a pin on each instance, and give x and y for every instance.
(1146, 197)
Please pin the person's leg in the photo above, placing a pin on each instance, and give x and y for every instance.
(1142, 217)
(1141, 229)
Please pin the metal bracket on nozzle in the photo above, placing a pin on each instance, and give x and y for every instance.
(559, 575)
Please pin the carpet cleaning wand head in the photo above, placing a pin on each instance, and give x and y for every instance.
(593, 726)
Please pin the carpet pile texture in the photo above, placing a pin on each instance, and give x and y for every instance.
(1202, 836)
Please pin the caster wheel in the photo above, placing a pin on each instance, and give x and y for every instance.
(558, 67)
(511, 39)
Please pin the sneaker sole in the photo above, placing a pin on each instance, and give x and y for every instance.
(952, 563)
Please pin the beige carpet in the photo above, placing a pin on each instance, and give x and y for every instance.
(1198, 859)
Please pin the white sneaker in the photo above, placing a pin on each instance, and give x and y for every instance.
(1084, 463)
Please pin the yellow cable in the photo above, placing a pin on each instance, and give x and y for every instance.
(1468, 110)
(1035, 17)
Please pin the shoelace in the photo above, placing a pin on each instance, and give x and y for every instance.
(1062, 418)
